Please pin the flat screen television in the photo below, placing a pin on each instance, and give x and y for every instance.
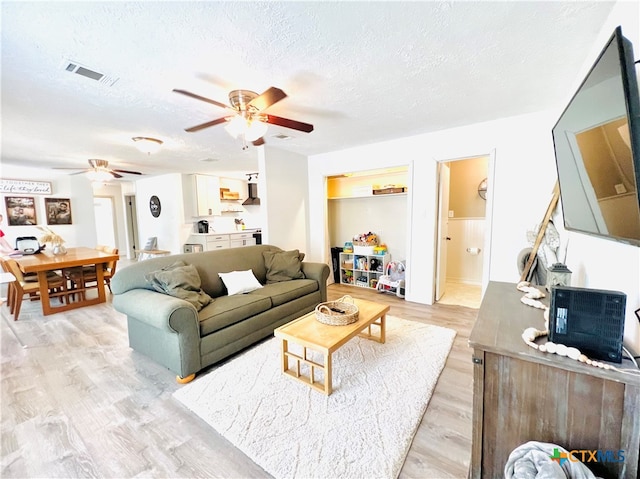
(597, 148)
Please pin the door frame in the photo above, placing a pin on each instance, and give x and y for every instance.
(131, 225)
(486, 263)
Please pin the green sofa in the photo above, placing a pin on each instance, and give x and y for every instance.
(175, 334)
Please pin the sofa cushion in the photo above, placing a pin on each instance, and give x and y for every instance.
(180, 280)
(282, 265)
(227, 310)
(285, 291)
(238, 282)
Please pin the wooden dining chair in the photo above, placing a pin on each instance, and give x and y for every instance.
(81, 277)
(19, 288)
(5, 268)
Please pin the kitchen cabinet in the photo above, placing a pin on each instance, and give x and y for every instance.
(213, 241)
(238, 240)
(210, 242)
(201, 196)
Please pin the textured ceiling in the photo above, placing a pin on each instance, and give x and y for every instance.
(360, 72)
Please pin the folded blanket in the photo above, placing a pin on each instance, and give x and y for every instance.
(540, 460)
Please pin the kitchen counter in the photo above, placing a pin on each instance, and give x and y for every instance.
(230, 239)
(230, 232)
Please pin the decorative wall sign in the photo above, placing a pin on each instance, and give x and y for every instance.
(25, 187)
(58, 211)
(21, 210)
(154, 206)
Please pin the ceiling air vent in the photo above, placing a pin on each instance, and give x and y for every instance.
(281, 137)
(78, 69)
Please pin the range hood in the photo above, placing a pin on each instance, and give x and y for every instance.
(253, 195)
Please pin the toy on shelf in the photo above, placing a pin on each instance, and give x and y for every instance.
(380, 249)
(393, 279)
(365, 243)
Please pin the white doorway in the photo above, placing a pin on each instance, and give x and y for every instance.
(105, 221)
(462, 212)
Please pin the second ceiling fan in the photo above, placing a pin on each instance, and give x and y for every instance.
(246, 116)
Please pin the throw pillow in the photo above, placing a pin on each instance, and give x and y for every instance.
(180, 280)
(283, 265)
(238, 282)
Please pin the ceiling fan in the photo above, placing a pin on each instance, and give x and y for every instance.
(246, 115)
(100, 171)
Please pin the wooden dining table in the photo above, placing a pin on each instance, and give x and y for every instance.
(45, 261)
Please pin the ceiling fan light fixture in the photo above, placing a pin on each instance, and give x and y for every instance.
(236, 126)
(99, 175)
(255, 129)
(147, 145)
(250, 128)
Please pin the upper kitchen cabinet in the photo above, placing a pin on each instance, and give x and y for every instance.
(201, 195)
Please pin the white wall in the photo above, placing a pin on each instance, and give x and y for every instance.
(75, 187)
(170, 227)
(282, 187)
(385, 215)
(523, 185)
(462, 265)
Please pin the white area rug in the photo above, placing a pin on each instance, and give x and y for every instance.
(363, 430)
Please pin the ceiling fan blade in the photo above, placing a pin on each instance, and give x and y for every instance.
(128, 172)
(114, 174)
(206, 125)
(69, 168)
(268, 98)
(258, 142)
(198, 97)
(293, 124)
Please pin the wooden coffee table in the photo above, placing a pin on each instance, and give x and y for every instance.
(309, 333)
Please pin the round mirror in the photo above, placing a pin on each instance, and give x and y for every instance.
(482, 189)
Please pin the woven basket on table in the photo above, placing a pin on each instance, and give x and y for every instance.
(337, 313)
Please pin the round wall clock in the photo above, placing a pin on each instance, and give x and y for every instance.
(154, 206)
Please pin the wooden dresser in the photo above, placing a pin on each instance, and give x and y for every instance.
(521, 394)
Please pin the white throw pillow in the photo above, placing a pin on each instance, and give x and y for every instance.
(238, 282)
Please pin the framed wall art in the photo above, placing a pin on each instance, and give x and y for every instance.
(21, 210)
(25, 187)
(58, 211)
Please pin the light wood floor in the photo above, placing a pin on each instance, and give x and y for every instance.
(462, 294)
(78, 402)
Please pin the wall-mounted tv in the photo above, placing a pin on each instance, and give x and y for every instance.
(597, 148)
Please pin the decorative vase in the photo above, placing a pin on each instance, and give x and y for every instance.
(58, 249)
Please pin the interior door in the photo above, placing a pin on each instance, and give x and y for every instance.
(105, 221)
(443, 230)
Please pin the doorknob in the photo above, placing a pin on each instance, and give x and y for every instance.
(447, 238)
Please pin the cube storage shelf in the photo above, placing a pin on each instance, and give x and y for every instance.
(362, 270)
